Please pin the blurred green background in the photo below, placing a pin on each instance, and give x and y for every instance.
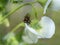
(18, 16)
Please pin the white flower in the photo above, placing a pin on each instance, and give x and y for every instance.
(47, 30)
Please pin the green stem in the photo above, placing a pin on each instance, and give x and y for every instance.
(18, 26)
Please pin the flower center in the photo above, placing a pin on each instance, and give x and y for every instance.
(34, 24)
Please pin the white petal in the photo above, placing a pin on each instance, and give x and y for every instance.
(30, 29)
(27, 39)
(31, 33)
(46, 6)
(48, 27)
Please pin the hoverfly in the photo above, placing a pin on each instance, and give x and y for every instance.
(16, 1)
(27, 19)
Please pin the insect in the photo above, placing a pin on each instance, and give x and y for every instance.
(27, 19)
(17, 1)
